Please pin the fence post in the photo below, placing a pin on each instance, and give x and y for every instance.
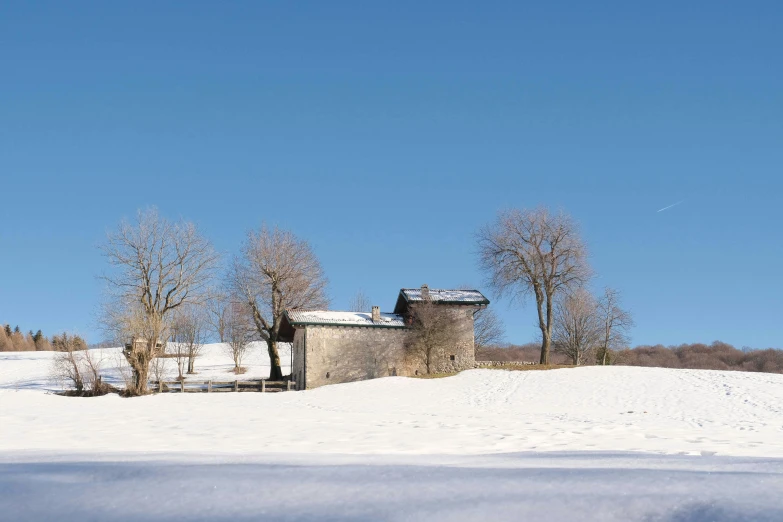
(263, 386)
(288, 385)
(182, 386)
(236, 386)
(209, 386)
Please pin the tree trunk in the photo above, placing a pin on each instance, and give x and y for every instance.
(547, 329)
(191, 360)
(141, 371)
(605, 347)
(275, 371)
(545, 344)
(139, 360)
(546, 334)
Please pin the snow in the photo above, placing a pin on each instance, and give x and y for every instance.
(594, 443)
(343, 318)
(555, 487)
(451, 296)
(31, 370)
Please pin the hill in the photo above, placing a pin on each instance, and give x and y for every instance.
(475, 412)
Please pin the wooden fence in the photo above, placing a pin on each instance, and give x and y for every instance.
(256, 385)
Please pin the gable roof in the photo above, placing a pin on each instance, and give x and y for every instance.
(332, 318)
(455, 297)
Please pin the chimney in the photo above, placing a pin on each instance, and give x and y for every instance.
(376, 314)
(425, 292)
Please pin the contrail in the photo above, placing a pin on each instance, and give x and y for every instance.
(670, 206)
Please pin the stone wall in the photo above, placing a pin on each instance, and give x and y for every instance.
(297, 368)
(335, 354)
(461, 356)
(503, 364)
(338, 354)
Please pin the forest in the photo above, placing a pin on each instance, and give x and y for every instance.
(697, 356)
(14, 340)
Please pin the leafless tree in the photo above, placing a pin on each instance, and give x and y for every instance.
(239, 333)
(64, 342)
(159, 366)
(577, 330)
(534, 252)
(488, 328)
(68, 370)
(277, 271)
(78, 368)
(188, 334)
(615, 326)
(360, 302)
(158, 266)
(432, 332)
(217, 307)
(6, 343)
(178, 350)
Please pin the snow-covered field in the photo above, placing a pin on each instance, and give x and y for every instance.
(609, 443)
(32, 370)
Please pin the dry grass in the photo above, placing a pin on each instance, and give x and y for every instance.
(434, 375)
(530, 367)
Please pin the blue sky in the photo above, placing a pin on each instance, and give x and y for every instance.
(386, 135)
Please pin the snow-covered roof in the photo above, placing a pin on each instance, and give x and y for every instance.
(328, 317)
(447, 296)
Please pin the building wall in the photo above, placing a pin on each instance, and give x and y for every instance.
(344, 354)
(297, 367)
(335, 354)
(463, 351)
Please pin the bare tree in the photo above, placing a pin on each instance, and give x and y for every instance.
(360, 302)
(78, 368)
(576, 330)
(178, 350)
(615, 325)
(158, 266)
(159, 365)
(432, 332)
(64, 342)
(487, 328)
(188, 334)
(217, 308)
(239, 333)
(68, 370)
(6, 344)
(534, 252)
(277, 271)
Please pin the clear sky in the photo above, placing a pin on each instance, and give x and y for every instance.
(387, 134)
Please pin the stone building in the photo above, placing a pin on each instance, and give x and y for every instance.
(331, 347)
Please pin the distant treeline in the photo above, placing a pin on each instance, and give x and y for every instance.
(715, 356)
(14, 340)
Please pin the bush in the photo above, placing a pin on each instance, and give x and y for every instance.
(79, 371)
